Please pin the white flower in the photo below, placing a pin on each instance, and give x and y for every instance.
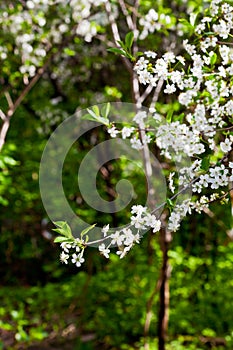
(64, 257)
(87, 30)
(65, 246)
(117, 238)
(105, 230)
(113, 131)
(126, 132)
(171, 183)
(138, 209)
(77, 259)
(136, 143)
(104, 251)
(138, 222)
(128, 237)
(139, 117)
(146, 139)
(226, 146)
(169, 57)
(76, 247)
(170, 89)
(181, 59)
(151, 221)
(151, 54)
(123, 252)
(174, 222)
(141, 64)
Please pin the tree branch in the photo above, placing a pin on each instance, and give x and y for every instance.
(14, 105)
(129, 20)
(116, 35)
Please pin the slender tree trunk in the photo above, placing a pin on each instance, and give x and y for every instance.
(165, 239)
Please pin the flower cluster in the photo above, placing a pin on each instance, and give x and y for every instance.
(219, 176)
(201, 76)
(124, 239)
(73, 251)
(34, 33)
(153, 21)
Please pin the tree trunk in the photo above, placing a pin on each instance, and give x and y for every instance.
(165, 239)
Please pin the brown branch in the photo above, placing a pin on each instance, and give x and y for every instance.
(157, 92)
(9, 99)
(224, 43)
(146, 93)
(149, 313)
(129, 20)
(116, 35)
(14, 105)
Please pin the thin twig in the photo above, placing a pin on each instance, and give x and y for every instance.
(157, 92)
(2, 115)
(224, 43)
(9, 99)
(129, 20)
(14, 105)
(146, 93)
(115, 33)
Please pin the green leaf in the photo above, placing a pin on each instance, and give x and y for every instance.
(87, 229)
(213, 59)
(117, 51)
(122, 44)
(205, 163)
(92, 117)
(93, 114)
(129, 38)
(63, 228)
(192, 19)
(96, 110)
(170, 204)
(169, 116)
(105, 110)
(61, 239)
(69, 52)
(89, 117)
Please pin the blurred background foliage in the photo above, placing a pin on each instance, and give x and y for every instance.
(47, 305)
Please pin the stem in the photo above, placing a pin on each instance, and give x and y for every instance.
(164, 296)
(149, 313)
(15, 105)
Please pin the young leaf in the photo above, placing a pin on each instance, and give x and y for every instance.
(61, 239)
(205, 163)
(129, 40)
(169, 116)
(116, 50)
(69, 52)
(105, 110)
(63, 228)
(170, 204)
(59, 223)
(213, 59)
(89, 117)
(93, 114)
(122, 44)
(96, 110)
(193, 17)
(86, 230)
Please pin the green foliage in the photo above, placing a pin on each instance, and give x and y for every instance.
(126, 47)
(40, 298)
(99, 116)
